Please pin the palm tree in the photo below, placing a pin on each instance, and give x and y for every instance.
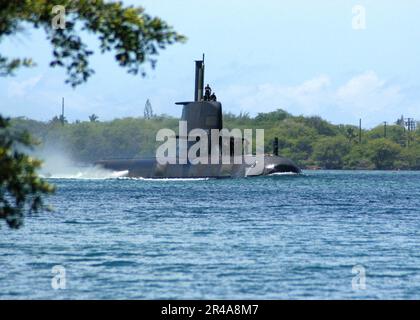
(350, 134)
(93, 118)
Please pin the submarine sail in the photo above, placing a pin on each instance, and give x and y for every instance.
(204, 114)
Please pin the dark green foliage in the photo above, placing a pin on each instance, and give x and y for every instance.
(89, 141)
(93, 118)
(131, 34)
(277, 115)
(20, 188)
(321, 126)
(330, 151)
(384, 153)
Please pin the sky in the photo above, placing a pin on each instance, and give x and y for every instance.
(306, 57)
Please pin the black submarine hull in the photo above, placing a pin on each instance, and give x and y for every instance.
(150, 168)
(205, 113)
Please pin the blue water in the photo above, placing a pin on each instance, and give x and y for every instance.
(286, 237)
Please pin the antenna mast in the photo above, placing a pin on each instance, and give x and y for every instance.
(199, 80)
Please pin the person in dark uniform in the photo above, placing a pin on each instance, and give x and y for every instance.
(207, 93)
(213, 97)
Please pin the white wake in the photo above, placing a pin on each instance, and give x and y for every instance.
(58, 166)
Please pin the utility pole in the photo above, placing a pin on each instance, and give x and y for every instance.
(385, 129)
(360, 130)
(408, 137)
(411, 126)
(62, 111)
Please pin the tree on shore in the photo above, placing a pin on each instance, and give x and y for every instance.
(330, 151)
(351, 134)
(93, 118)
(384, 153)
(129, 32)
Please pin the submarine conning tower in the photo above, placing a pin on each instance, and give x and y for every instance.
(201, 113)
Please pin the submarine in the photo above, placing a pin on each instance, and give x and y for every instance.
(205, 114)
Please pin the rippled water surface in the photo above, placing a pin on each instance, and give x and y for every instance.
(264, 238)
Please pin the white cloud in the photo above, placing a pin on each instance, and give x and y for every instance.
(365, 96)
(20, 89)
(303, 98)
(369, 96)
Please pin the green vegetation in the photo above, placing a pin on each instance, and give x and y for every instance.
(88, 141)
(310, 141)
(20, 188)
(133, 36)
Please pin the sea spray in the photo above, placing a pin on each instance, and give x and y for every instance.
(57, 164)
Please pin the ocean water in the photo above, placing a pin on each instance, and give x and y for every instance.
(322, 235)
